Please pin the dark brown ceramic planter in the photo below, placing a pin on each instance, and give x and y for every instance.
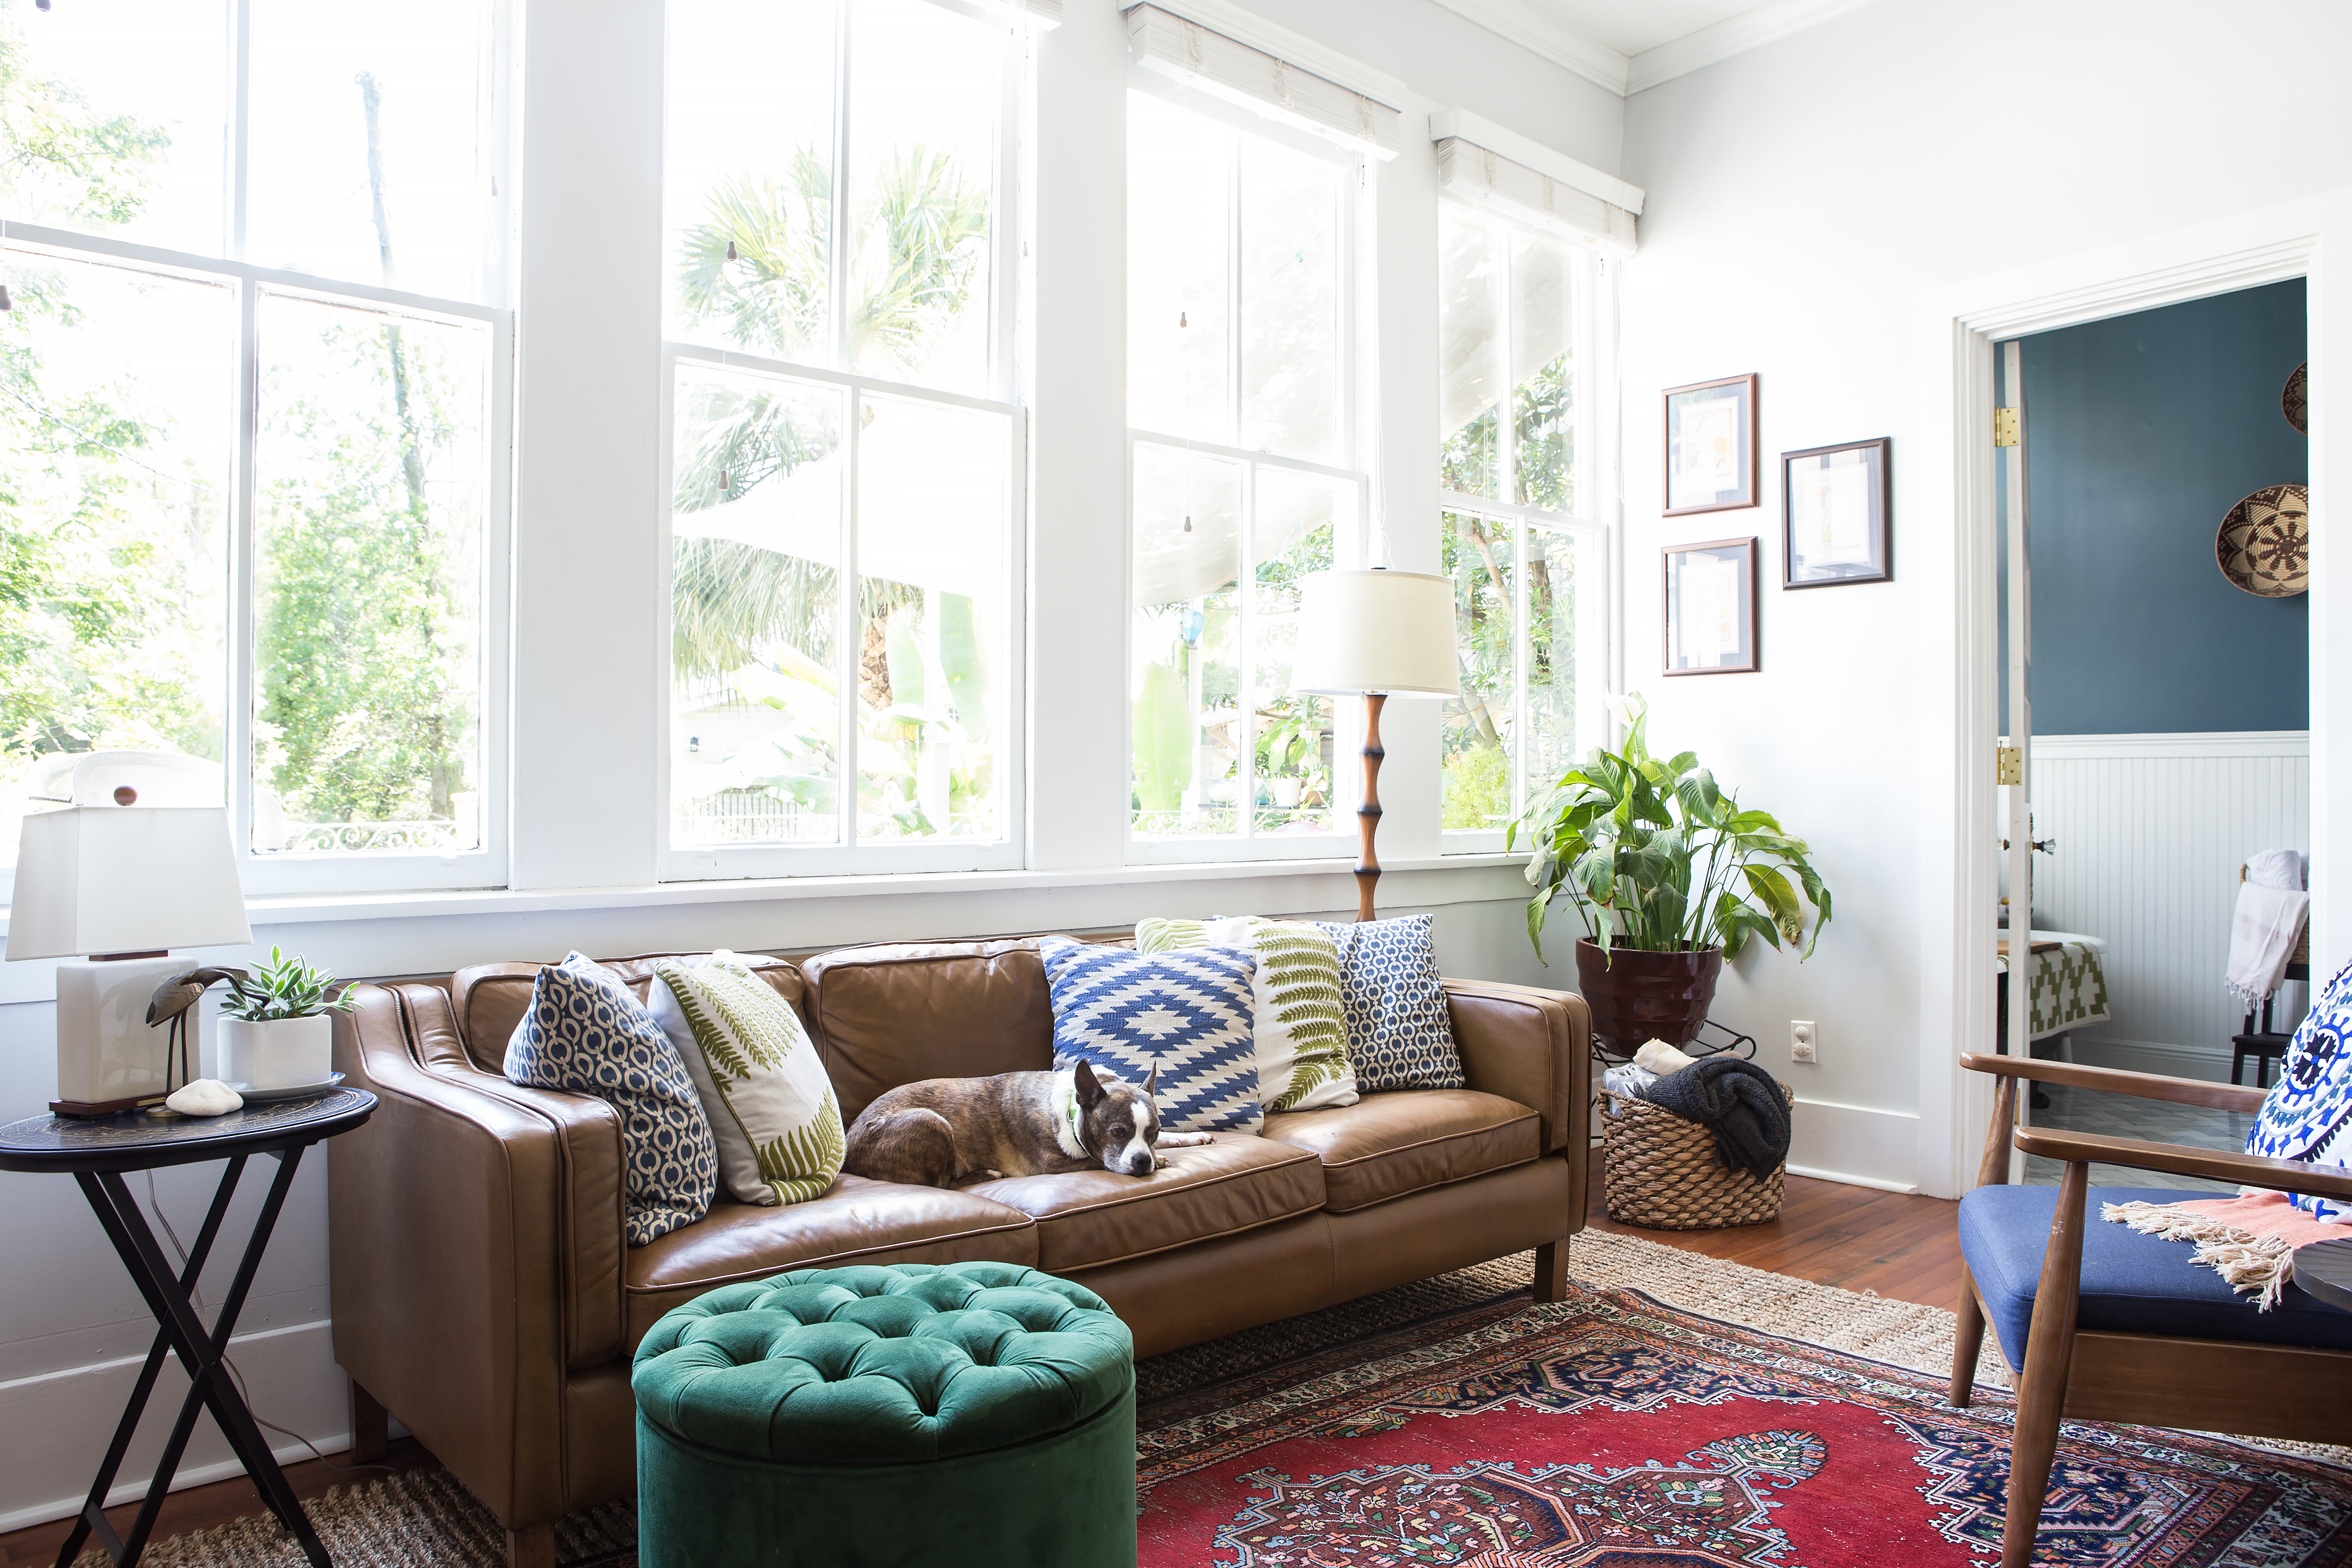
(1640, 996)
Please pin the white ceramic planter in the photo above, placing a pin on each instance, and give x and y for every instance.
(283, 1053)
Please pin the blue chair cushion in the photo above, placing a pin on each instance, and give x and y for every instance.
(2132, 1283)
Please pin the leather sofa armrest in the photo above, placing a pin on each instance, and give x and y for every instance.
(456, 1284)
(1528, 1045)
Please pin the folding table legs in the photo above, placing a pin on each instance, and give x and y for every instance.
(202, 1354)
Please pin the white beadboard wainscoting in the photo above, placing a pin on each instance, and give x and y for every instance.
(2150, 830)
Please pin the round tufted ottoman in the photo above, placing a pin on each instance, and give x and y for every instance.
(966, 1414)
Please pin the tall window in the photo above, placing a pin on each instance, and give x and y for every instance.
(846, 457)
(252, 420)
(1243, 462)
(1519, 536)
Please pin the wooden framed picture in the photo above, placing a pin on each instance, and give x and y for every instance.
(1712, 462)
(1837, 515)
(1711, 608)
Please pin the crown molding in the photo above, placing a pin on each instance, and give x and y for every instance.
(1532, 27)
(1733, 36)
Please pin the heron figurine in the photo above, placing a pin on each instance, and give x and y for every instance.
(171, 1003)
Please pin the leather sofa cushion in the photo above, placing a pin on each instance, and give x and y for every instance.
(489, 999)
(895, 1013)
(858, 1221)
(1092, 1216)
(1388, 1145)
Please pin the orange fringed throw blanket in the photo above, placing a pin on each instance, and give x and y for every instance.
(2249, 1241)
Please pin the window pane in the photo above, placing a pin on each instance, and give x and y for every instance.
(1293, 520)
(922, 152)
(1476, 554)
(1469, 387)
(113, 120)
(1178, 272)
(1554, 590)
(749, 162)
(1186, 676)
(116, 400)
(755, 556)
(933, 497)
(1290, 303)
(1543, 374)
(371, 476)
(365, 159)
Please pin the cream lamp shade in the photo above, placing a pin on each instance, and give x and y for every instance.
(1377, 630)
(125, 879)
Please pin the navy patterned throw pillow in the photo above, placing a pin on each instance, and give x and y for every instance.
(1189, 1014)
(1400, 1035)
(585, 1032)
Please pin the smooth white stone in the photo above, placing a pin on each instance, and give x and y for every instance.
(205, 1097)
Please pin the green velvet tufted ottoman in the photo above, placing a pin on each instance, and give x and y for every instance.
(968, 1413)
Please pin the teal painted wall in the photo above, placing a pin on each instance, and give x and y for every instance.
(2141, 432)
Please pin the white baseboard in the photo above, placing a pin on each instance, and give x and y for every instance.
(1855, 1144)
(55, 1426)
(1852, 1180)
(2154, 1056)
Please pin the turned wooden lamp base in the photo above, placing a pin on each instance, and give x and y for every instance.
(1368, 815)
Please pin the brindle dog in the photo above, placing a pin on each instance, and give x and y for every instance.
(941, 1131)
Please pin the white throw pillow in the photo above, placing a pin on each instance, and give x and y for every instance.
(766, 1093)
(1302, 1032)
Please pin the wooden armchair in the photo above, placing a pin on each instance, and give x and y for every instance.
(2120, 1326)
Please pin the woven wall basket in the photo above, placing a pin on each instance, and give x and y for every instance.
(1660, 1172)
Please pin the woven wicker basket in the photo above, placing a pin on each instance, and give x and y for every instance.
(1660, 1172)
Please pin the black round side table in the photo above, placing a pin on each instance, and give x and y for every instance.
(98, 1153)
(2325, 1269)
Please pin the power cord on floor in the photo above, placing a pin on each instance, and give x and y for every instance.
(196, 1291)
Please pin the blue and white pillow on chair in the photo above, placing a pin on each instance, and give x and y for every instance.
(2308, 1115)
(1400, 1034)
(1189, 1014)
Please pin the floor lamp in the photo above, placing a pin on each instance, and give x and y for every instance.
(1375, 634)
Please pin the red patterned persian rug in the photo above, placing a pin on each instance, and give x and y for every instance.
(1609, 1431)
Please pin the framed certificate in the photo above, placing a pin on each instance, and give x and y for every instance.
(1837, 512)
(1711, 608)
(1711, 453)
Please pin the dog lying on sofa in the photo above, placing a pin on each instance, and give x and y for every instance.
(939, 1131)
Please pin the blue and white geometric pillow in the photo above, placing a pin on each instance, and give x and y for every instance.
(585, 1032)
(1187, 1014)
(2308, 1115)
(1400, 1035)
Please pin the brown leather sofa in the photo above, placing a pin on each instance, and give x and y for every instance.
(483, 1294)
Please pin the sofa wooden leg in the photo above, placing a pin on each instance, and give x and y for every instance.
(2049, 1353)
(531, 1548)
(371, 1428)
(1967, 1340)
(1552, 1270)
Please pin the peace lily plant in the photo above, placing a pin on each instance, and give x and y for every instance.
(1656, 858)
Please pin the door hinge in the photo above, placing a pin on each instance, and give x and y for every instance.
(2004, 427)
(2009, 765)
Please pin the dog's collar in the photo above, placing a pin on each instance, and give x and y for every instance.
(1068, 1130)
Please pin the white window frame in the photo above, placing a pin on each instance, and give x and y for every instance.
(846, 854)
(1349, 536)
(1591, 525)
(281, 873)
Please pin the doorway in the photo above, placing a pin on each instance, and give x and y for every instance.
(2164, 725)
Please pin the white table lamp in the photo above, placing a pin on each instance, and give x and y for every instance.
(122, 885)
(1376, 634)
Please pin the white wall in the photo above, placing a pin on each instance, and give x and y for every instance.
(586, 669)
(1807, 202)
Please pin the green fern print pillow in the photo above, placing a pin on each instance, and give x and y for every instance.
(1302, 1035)
(769, 1099)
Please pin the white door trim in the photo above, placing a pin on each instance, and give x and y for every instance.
(1959, 650)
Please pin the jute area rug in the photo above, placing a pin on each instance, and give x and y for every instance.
(1424, 1426)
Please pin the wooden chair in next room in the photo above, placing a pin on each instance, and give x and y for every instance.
(2099, 1323)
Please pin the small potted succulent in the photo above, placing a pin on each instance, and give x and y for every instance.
(276, 1029)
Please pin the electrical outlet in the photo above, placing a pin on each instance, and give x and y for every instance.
(1803, 1040)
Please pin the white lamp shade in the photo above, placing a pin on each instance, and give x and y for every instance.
(1389, 632)
(125, 879)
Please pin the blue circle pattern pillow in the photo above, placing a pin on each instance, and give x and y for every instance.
(1400, 1034)
(2307, 1114)
(585, 1032)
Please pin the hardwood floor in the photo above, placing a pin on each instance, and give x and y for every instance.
(1829, 1233)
